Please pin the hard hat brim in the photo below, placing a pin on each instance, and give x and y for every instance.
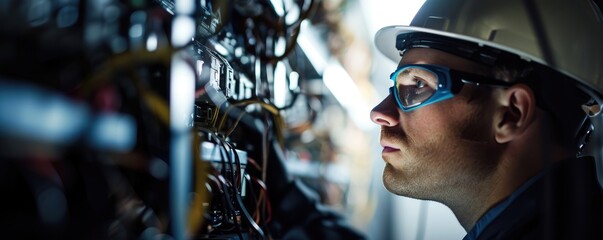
(385, 41)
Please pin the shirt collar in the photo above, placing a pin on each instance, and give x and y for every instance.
(487, 218)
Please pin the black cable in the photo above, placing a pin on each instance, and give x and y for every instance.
(290, 32)
(229, 202)
(237, 164)
(230, 206)
(257, 228)
(255, 197)
(228, 164)
(294, 95)
(248, 216)
(236, 193)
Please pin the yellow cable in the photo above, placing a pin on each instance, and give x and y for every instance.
(157, 105)
(278, 119)
(125, 61)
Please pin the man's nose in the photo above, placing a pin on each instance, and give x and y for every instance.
(386, 112)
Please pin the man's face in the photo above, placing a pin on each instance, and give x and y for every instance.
(440, 148)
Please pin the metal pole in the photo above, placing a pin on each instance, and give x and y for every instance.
(182, 88)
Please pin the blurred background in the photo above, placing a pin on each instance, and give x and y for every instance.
(199, 119)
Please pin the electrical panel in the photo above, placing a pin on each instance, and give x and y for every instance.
(150, 119)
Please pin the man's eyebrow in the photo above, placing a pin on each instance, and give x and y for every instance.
(425, 74)
(429, 77)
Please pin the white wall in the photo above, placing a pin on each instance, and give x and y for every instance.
(437, 221)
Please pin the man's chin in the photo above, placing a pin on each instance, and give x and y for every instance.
(395, 183)
(389, 180)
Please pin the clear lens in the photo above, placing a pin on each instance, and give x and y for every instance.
(414, 85)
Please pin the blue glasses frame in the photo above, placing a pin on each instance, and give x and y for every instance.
(450, 82)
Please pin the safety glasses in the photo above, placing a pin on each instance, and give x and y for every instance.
(418, 85)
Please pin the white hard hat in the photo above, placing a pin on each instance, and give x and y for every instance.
(565, 35)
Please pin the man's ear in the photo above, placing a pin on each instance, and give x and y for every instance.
(517, 109)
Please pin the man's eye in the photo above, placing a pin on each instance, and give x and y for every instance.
(419, 83)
